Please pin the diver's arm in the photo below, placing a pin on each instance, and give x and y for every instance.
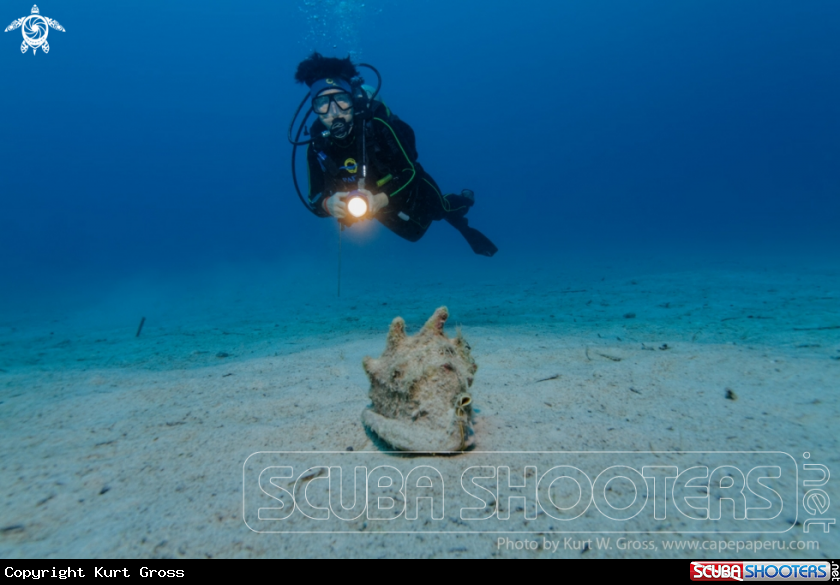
(318, 195)
(396, 157)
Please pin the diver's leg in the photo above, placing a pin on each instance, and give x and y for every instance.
(404, 226)
(428, 205)
(436, 206)
(425, 205)
(459, 205)
(452, 208)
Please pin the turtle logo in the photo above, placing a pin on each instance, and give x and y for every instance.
(35, 30)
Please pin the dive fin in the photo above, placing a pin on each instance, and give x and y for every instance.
(479, 243)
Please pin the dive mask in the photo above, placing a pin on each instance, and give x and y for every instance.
(342, 100)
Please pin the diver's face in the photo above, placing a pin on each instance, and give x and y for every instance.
(335, 114)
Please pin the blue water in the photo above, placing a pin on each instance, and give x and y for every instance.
(152, 136)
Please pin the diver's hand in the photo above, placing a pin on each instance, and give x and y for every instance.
(377, 201)
(337, 207)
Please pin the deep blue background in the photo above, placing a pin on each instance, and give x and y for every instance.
(152, 136)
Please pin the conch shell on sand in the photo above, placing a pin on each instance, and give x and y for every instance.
(419, 389)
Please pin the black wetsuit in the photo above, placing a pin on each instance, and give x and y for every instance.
(415, 200)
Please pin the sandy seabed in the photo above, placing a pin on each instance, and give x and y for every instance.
(124, 446)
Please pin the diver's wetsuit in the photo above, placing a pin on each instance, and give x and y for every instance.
(415, 200)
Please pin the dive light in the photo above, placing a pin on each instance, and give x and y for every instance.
(357, 204)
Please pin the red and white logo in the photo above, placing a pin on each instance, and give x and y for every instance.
(717, 571)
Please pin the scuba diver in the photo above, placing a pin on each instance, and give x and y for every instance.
(362, 159)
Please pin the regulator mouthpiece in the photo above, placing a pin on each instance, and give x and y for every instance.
(340, 129)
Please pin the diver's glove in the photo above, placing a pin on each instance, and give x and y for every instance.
(336, 205)
(377, 201)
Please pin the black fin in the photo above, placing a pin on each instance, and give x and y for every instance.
(479, 243)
